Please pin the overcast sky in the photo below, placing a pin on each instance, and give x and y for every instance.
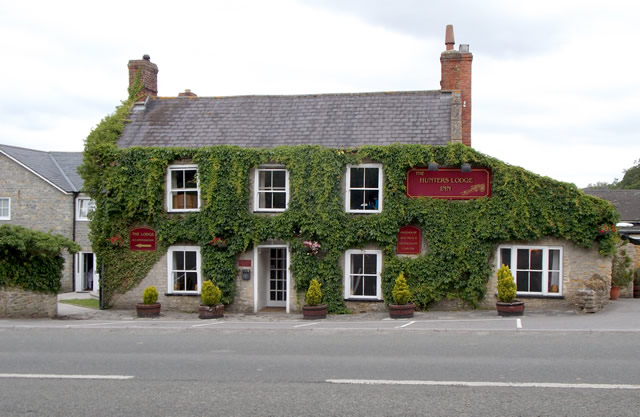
(556, 84)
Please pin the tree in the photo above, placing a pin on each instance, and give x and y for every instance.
(631, 179)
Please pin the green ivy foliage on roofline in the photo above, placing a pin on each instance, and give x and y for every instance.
(129, 188)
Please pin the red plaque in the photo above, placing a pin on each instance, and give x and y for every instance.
(449, 183)
(244, 263)
(409, 241)
(142, 239)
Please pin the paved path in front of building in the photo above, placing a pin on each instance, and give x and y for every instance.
(618, 316)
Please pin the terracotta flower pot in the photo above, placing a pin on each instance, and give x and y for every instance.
(514, 308)
(148, 310)
(401, 311)
(614, 294)
(314, 312)
(211, 312)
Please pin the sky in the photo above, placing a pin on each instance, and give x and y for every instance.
(555, 84)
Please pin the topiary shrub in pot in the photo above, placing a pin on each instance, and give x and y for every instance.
(314, 309)
(403, 307)
(210, 307)
(507, 304)
(150, 307)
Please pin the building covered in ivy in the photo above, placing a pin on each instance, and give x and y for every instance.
(262, 194)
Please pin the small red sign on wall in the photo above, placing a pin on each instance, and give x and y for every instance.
(449, 183)
(142, 238)
(246, 263)
(409, 241)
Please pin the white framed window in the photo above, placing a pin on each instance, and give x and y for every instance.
(271, 190)
(183, 267)
(362, 271)
(84, 206)
(364, 188)
(183, 192)
(535, 269)
(5, 208)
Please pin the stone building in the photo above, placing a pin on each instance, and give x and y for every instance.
(551, 271)
(43, 191)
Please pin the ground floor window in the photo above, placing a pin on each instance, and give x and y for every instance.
(5, 208)
(362, 274)
(536, 269)
(183, 265)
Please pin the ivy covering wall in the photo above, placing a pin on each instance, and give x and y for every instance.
(129, 188)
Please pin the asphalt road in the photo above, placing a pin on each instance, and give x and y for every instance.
(207, 371)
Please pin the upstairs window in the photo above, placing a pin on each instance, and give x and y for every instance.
(271, 190)
(5, 208)
(364, 188)
(536, 269)
(84, 206)
(183, 193)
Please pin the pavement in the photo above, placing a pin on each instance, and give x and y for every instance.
(622, 315)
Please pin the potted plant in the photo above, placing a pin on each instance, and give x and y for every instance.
(507, 304)
(313, 309)
(636, 283)
(403, 307)
(210, 307)
(150, 307)
(621, 273)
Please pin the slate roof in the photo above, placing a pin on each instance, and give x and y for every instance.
(59, 168)
(626, 201)
(331, 120)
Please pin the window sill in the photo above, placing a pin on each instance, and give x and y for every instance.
(365, 300)
(179, 294)
(540, 296)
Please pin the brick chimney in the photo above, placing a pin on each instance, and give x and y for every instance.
(148, 76)
(456, 75)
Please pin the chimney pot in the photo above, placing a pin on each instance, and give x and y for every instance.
(464, 47)
(449, 40)
(146, 57)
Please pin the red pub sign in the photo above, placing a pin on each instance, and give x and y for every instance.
(142, 238)
(449, 183)
(409, 241)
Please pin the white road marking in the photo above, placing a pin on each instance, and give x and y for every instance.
(214, 321)
(63, 376)
(405, 325)
(306, 324)
(519, 324)
(482, 384)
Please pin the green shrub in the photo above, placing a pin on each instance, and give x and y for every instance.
(314, 293)
(401, 293)
(621, 271)
(150, 295)
(506, 285)
(210, 295)
(32, 260)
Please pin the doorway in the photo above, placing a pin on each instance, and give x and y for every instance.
(86, 278)
(272, 277)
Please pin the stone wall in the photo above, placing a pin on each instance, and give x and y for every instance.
(18, 303)
(586, 279)
(158, 278)
(38, 205)
(630, 250)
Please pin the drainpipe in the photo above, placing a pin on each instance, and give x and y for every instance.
(73, 237)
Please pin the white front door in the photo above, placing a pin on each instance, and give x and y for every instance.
(277, 278)
(272, 277)
(85, 271)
